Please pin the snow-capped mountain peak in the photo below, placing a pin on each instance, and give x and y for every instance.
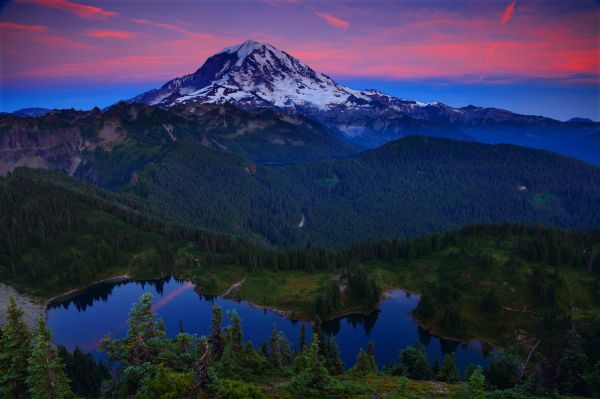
(254, 74)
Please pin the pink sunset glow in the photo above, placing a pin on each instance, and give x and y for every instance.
(59, 39)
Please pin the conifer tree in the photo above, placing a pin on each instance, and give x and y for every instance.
(15, 349)
(371, 353)
(312, 379)
(448, 372)
(275, 352)
(302, 340)
(476, 385)
(47, 378)
(263, 349)
(216, 334)
(233, 333)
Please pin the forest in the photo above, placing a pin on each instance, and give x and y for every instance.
(145, 363)
(67, 234)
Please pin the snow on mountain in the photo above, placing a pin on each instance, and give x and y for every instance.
(256, 75)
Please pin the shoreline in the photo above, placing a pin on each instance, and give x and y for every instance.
(72, 292)
(283, 313)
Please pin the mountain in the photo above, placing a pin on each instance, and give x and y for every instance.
(580, 120)
(126, 136)
(257, 75)
(210, 166)
(32, 112)
(219, 167)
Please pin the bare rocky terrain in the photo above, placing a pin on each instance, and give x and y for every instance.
(32, 309)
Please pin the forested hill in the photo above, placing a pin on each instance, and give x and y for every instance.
(58, 233)
(409, 187)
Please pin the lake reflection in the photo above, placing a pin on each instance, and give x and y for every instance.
(83, 319)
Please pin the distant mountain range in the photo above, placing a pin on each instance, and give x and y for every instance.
(257, 144)
(255, 75)
(283, 180)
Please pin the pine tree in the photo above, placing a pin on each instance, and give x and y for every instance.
(476, 385)
(302, 341)
(413, 362)
(233, 333)
(363, 365)
(572, 367)
(435, 368)
(216, 334)
(47, 378)
(263, 349)
(371, 353)
(275, 352)
(448, 372)
(330, 353)
(312, 379)
(15, 349)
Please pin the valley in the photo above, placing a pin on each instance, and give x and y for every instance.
(255, 230)
(523, 276)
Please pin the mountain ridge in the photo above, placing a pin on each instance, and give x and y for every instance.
(258, 75)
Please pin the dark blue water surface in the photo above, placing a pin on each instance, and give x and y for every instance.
(85, 318)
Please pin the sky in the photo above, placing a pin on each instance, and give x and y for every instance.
(529, 56)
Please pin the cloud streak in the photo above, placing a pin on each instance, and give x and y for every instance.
(81, 10)
(508, 12)
(22, 27)
(109, 34)
(333, 21)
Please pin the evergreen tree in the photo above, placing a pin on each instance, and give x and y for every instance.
(302, 340)
(86, 375)
(490, 302)
(413, 363)
(233, 333)
(263, 349)
(15, 349)
(202, 367)
(572, 367)
(425, 309)
(275, 352)
(504, 371)
(364, 364)
(312, 379)
(448, 372)
(216, 334)
(371, 353)
(136, 352)
(476, 385)
(47, 378)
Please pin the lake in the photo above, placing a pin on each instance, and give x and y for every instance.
(83, 319)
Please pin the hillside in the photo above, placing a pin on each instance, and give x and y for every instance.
(61, 234)
(409, 187)
(106, 147)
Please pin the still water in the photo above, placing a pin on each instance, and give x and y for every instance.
(83, 319)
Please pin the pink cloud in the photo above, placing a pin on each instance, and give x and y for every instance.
(174, 28)
(80, 10)
(30, 28)
(109, 34)
(333, 21)
(508, 12)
